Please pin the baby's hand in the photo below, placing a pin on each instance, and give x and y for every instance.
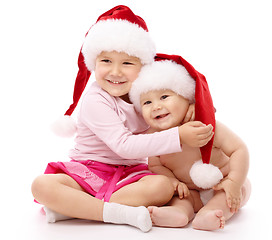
(195, 134)
(182, 190)
(233, 193)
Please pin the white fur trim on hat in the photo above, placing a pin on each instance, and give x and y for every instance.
(205, 175)
(117, 35)
(162, 75)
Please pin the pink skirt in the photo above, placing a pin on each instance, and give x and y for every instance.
(99, 179)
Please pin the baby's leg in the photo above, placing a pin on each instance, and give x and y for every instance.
(177, 213)
(246, 191)
(214, 214)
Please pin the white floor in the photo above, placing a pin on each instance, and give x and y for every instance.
(29, 223)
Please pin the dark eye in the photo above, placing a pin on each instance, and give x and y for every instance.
(128, 63)
(164, 96)
(147, 102)
(105, 60)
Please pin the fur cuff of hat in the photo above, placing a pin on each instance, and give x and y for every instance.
(65, 126)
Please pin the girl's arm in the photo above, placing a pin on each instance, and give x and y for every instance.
(116, 130)
(103, 117)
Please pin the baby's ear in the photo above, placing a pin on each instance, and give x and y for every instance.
(192, 105)
(190, 115)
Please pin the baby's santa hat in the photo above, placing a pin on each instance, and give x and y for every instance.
(175, 73)
(118, 29)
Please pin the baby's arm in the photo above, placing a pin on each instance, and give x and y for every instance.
(154, 165)
(238, 155)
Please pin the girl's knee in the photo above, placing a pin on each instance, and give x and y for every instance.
(161, 187)
(40, 186)
(44, 186)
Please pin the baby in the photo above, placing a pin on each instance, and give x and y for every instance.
(163, 93)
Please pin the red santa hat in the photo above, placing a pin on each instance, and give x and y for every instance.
(175, 73)
(118, 29)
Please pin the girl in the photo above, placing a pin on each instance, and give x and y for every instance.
(108, 178)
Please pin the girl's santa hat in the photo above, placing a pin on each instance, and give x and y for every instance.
(175, 73)
(118, 29)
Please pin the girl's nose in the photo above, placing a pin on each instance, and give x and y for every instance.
(116, 70)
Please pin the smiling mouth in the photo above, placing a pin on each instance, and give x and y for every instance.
(161, 116)
(115, 82)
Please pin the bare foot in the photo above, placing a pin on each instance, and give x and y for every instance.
(168, 216)
(209, 220)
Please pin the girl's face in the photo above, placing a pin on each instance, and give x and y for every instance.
(163, 109)
(115, 72)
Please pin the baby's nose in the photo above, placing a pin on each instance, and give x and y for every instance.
(157, 106)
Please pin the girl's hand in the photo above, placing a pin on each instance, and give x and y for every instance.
(195, 134)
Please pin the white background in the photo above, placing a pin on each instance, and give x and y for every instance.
(228, 41)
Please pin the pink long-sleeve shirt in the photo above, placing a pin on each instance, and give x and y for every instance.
(111, 131)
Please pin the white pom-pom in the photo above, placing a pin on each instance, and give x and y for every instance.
(65, 126)
(205, 175)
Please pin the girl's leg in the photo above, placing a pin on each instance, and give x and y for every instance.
(61, 193)
(64, 195)
(150, 190)
(214, 214)
(178, 212)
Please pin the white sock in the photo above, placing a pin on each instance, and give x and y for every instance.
(121, 214)
(52, 216)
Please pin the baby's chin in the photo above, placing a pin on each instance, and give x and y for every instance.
(159, 129)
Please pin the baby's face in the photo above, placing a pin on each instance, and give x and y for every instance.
(163, 109)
